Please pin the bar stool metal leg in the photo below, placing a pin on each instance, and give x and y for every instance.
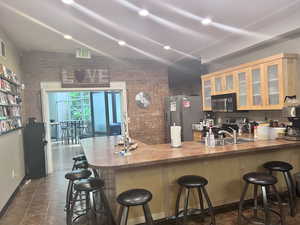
(70, 213)
(282, 216)
(242, 203)
(93, 215)
(255, 198)
(291, 192)
(123, 215)
(178, 201)
(210, 207)
(201, 203)
(266, 205)
(186, 206)
(69, 195)
(148, 216)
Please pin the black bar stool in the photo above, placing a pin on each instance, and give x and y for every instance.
(285, 168)
(189, 182)
(134, 197)
(73, 176)
(79, 157)
(264, 181)
(76, 158)
(83, 164)
(97, 210)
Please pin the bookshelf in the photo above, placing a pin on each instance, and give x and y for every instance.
(10, 101)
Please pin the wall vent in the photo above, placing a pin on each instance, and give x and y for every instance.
(83, 53)
(2, 49)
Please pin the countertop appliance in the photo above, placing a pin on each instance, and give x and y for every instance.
(182, 111)
(223, 103)
(34, 149)
(292, 112)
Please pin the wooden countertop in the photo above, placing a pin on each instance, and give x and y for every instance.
(100, 152)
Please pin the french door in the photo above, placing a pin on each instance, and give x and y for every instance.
(106, 113)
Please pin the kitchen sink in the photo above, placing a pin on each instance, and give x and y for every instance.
(229, 141)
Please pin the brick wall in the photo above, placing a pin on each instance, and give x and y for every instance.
(146, 125)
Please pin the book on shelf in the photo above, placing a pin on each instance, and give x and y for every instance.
(8, 74)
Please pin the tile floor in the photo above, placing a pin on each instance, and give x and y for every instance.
(41, 202)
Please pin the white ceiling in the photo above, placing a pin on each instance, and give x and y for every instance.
(246, 22)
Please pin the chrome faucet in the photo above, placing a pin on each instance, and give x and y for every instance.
(233, 134)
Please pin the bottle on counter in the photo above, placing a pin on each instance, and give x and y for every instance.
(255, 131)
(207, 139)
(212, 138)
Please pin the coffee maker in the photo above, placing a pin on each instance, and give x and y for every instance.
(292, 113)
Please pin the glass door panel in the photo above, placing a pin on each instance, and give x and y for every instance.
(207, 93)
(218, 84)
(99, 113)
(273, 84)
(106, 113)
(229, 82)
(242, 81)
(256, 87)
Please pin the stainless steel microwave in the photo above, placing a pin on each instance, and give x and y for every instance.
(223, 103)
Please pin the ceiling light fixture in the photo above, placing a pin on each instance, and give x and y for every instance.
(121, 43)
(68, 37)
(167, 47)
(143, 12)
(69, 2)
(206, 21)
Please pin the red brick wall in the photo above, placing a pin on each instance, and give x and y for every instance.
(149, 76)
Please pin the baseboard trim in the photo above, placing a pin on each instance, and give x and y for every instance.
(12, 197)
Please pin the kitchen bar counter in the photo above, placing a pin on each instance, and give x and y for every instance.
(157, 167)
(101, 152)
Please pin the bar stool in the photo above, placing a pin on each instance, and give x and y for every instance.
(74, 176)
(264, 181)
(189, 182)
(79, 157)
(285, 168)
(83, 164)
(134, 197)
(97, 210)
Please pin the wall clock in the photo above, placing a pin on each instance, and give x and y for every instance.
(143, 100)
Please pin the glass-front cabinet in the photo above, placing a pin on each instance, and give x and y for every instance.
(259, 85)
(207, 92)
(218, 84)
(274, 84)
(242, 96)
(256, 87)
(229, 82)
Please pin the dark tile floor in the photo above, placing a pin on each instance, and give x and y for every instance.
(41, 202)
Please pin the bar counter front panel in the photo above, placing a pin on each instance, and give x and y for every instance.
(157, 167)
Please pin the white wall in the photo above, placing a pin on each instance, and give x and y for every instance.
(11, 145)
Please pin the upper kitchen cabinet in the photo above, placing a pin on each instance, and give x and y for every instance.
(207, 93)
(224, 84)
(259, 85)
(242, 89)
(274, 84)
(229, 82)
(256, 87)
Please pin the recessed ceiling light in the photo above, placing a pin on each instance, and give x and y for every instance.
(68, 37)
(68, 1)
(167, 47)
(206, 21)
(143, 12)
(121, 43)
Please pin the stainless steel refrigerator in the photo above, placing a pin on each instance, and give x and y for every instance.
(182, 111)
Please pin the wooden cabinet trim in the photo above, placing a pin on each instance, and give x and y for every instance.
(253, 63)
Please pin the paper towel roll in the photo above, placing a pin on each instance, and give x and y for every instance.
(175, 136)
